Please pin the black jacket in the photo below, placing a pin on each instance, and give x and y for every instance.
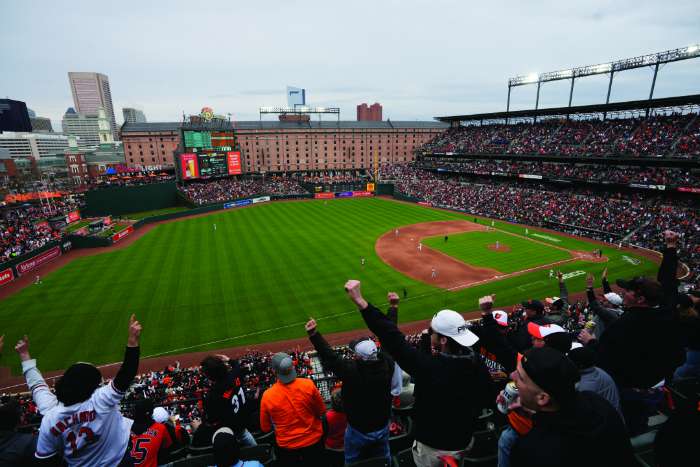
(450, 390)
(589, 433)
(227, 404)
(17, 449)
(640, 348)
(366, 390)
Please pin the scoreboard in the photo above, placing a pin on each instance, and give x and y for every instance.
(210, 164)
(209, 154)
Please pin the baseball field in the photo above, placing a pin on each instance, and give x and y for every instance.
(257, 274)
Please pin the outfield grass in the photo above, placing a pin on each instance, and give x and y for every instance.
(257, 278)
(472, 248)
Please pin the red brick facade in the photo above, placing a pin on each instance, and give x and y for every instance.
(150, 148)
(285, 149)
(373, 113)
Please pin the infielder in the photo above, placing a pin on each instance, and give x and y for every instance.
(551, 273)
(420, 247)
(433, 273)
(362, 261)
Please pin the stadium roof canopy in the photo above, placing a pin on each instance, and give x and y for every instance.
(640, 105)
(273, 125)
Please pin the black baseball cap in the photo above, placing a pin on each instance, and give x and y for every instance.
(553, 372)
(647, 288)
(533, 305)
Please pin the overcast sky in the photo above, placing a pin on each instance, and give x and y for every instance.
(418, 58)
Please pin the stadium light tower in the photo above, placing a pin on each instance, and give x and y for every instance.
(655, 60)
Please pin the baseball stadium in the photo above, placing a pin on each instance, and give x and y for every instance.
(492, 289)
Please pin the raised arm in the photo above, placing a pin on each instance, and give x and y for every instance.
(393, 341)
(393, 312)
(606, 284)
(42, 395)
(667, 269)
(130, 365)
(329, 359)
(563, 291)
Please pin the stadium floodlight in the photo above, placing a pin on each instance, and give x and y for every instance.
(691, 49)
(603, 68)
(532, 78)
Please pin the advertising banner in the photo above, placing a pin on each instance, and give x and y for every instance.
(324, 195)
(72, 216)
(189, 166)
(42, 225)
(234, 162)
(6, 275)
(107, 220)
(242, 202)
(228, 205)
(370, 187)
(423, 203)
(262, 199)
(344, 194)
(534, 177)
(33, 263)
(687, 189)
(647, 187)
(124, 233)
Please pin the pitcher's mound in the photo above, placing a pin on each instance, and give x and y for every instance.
(500, 249)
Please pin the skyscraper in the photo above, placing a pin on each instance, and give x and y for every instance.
(90, 92)
(83, 125)
(133, 115)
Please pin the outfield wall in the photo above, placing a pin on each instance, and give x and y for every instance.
(120, 200)
(25, 264)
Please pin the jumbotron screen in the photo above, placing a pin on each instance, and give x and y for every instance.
(209, 154)
(210, 164)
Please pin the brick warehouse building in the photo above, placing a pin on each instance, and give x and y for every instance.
(291, 146)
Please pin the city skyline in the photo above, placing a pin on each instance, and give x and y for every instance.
(428, 58)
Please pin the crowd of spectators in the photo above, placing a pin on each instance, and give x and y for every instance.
(334, 177)
(622, 174)
(24, 228)
(665, 135)
(227, 189)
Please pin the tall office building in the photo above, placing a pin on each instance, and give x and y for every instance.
(90, 92)
(14, 116)
(84, 126)
(133, 115)
(32, 145)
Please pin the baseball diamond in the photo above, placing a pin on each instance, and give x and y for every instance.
(267, 267)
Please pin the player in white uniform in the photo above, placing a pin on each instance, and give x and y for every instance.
(82, 420)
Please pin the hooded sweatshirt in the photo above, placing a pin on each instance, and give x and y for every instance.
(588, 432)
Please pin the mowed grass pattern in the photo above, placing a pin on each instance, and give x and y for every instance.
(472, 248)
(257, 278)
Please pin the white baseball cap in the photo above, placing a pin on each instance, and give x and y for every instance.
(613, 298)
(544, 330)
(451, 324)
(501, 317)
(160, 415)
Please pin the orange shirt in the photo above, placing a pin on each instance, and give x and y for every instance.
(145, 447)
(295, 410)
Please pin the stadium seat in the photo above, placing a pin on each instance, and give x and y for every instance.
(195, 461)
(263, 453)
(404, 440)
(263, 438)
(373, 462)
(198, 451)
(643, 442)
(404, 458)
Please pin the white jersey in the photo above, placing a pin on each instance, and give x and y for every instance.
(90, 433)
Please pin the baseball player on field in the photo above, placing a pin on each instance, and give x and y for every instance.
(82, 422)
